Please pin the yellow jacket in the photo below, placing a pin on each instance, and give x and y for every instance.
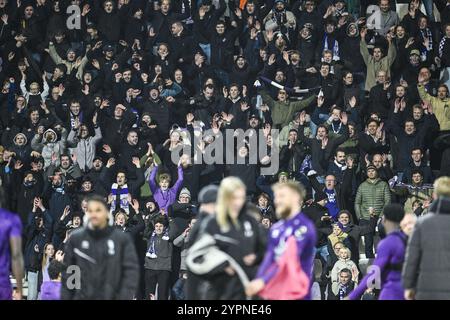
(441, 108)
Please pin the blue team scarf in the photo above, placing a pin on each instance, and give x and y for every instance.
(334, 48)
(151, 253)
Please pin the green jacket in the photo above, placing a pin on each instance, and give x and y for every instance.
(374, 66)
(283, 112)
(374, 194)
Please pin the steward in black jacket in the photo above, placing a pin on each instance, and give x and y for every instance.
(108, 264)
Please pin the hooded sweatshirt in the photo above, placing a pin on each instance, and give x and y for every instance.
(47, 148)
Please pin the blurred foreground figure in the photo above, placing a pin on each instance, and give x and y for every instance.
(101, 260)
(426, 273)
(389, 260)
(10, 254)
(286, 271)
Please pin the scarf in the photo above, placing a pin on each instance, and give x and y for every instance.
(334, 47)
(343, 167)
(123, 198)
(59, 189)
(441, 45)
(342, 293)
(426, 33)
(72, 119)
(343, 228)
(151, 253)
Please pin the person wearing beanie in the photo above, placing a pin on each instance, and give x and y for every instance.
(207, 206)
(390, 257)
(372, 196)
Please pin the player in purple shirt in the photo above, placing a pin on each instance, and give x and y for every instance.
(10, 254)
(390, 258)
(288, 202)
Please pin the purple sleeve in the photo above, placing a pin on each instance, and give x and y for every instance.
(307, 255)
(382, 259)
(180, 179)
(16, 227)
(268, 267)
(152, 180)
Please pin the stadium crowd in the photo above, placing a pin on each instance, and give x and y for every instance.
(350, 96)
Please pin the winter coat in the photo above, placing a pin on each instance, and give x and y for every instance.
(374, 194)
(107, 261)
(374, 66)
(48, 148)
(441, 108)
(283, 112)
(427, 256)
(250, 238)
(84, 149)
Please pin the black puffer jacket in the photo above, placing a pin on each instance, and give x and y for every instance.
(108, 264)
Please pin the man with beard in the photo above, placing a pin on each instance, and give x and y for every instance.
(129, 150)
(377, 61)
(111, 271)
(205, 105)
(380, 162)
(157, 108)
(115, 126)
(338, 166)
(56, 195)
(294, 225)
(280, 18)
(67, 168)
(94, 175)
(411, 70)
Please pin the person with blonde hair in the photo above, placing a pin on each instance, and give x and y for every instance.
(425, 272)
(344, 262)
(239, 235)
(293, 228)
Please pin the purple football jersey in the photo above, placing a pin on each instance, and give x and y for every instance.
(10, 227)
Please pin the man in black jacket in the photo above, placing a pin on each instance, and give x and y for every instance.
(105, 257)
